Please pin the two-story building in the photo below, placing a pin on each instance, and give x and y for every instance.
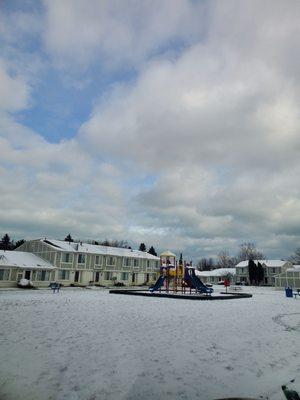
(84, 263)
(271, 269)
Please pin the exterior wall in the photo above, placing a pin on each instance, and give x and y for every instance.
(39, 278)
(288, 278)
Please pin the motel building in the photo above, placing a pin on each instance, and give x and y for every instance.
(71, 263)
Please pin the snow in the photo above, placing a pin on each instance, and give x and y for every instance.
(23, 259)
(73, 247)
(217, 272)
(88, 344)
(267, 263)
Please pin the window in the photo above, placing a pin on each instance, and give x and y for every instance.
(63, 274)
(148, 263)
(273, 270)
(136, 262)
(81, 258)
(127, 262)
(66, 257)
(108, 276)
(98, 260)
(4, 274)
(42, 275)
(111, 260)
(124, 276)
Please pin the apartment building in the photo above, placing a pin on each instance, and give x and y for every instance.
(84, 263)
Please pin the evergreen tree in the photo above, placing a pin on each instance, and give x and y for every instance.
(68, 238)
(142, 247)
(6, 243)
(19, 243)
(180, 259)
(152, 251)
(252, 272)
(260, 273)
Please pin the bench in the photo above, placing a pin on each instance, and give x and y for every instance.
(297, 293)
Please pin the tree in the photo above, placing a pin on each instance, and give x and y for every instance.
(152, 251)
(224, 260)
(68, 238)
(205, 264)
(19, 243)
(6, 243)
(295, 258)
(260, 273)
(252, 272)
(248, 251)
(142, 247)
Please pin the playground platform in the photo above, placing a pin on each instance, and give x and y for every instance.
(182, 296)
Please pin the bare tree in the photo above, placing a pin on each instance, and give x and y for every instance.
(205, 264)
(224, 260)
(248, 251)
(295, 258)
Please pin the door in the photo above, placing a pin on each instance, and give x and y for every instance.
(27, 275)
(133, 278)
(97, 276)
(77, 273)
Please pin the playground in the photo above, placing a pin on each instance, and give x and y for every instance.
(84, 344)
(178, 280)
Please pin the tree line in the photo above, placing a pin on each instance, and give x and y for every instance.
(7, 243)
(247, 251)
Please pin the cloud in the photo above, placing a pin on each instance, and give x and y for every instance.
(198, 152)
(118, 33)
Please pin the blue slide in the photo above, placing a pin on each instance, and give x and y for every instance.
(160, 281)
(194, 282)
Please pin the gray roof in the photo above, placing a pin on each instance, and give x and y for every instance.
(22, 259)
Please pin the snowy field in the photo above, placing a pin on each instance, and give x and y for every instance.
(89, 344)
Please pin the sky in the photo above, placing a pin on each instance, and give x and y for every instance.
(169, 122)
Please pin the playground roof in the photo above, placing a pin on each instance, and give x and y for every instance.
(168, 253)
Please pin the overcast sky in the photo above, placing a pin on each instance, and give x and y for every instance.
(169, 122)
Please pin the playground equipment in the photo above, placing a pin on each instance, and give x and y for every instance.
(178, 276)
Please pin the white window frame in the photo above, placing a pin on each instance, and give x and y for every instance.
(136, 263)
(100, 258)
(63, 272)
(127, 262)
(108, 258)
(124, 276)
(68, 256)
(4, 274)
(81, 255)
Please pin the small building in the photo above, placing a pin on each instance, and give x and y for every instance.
(289, 277)
(17, 265)
(271, 269)
(84, 263)
(216, 275)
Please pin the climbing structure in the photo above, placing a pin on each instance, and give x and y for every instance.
(178, 276)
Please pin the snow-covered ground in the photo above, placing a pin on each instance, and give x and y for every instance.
(89, 344)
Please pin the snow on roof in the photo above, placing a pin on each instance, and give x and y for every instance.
(217, 272)
(22, 259)
(295, 268)
(73, 247)
(268, 263)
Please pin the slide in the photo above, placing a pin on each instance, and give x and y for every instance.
(194, 282)
(158, 283)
